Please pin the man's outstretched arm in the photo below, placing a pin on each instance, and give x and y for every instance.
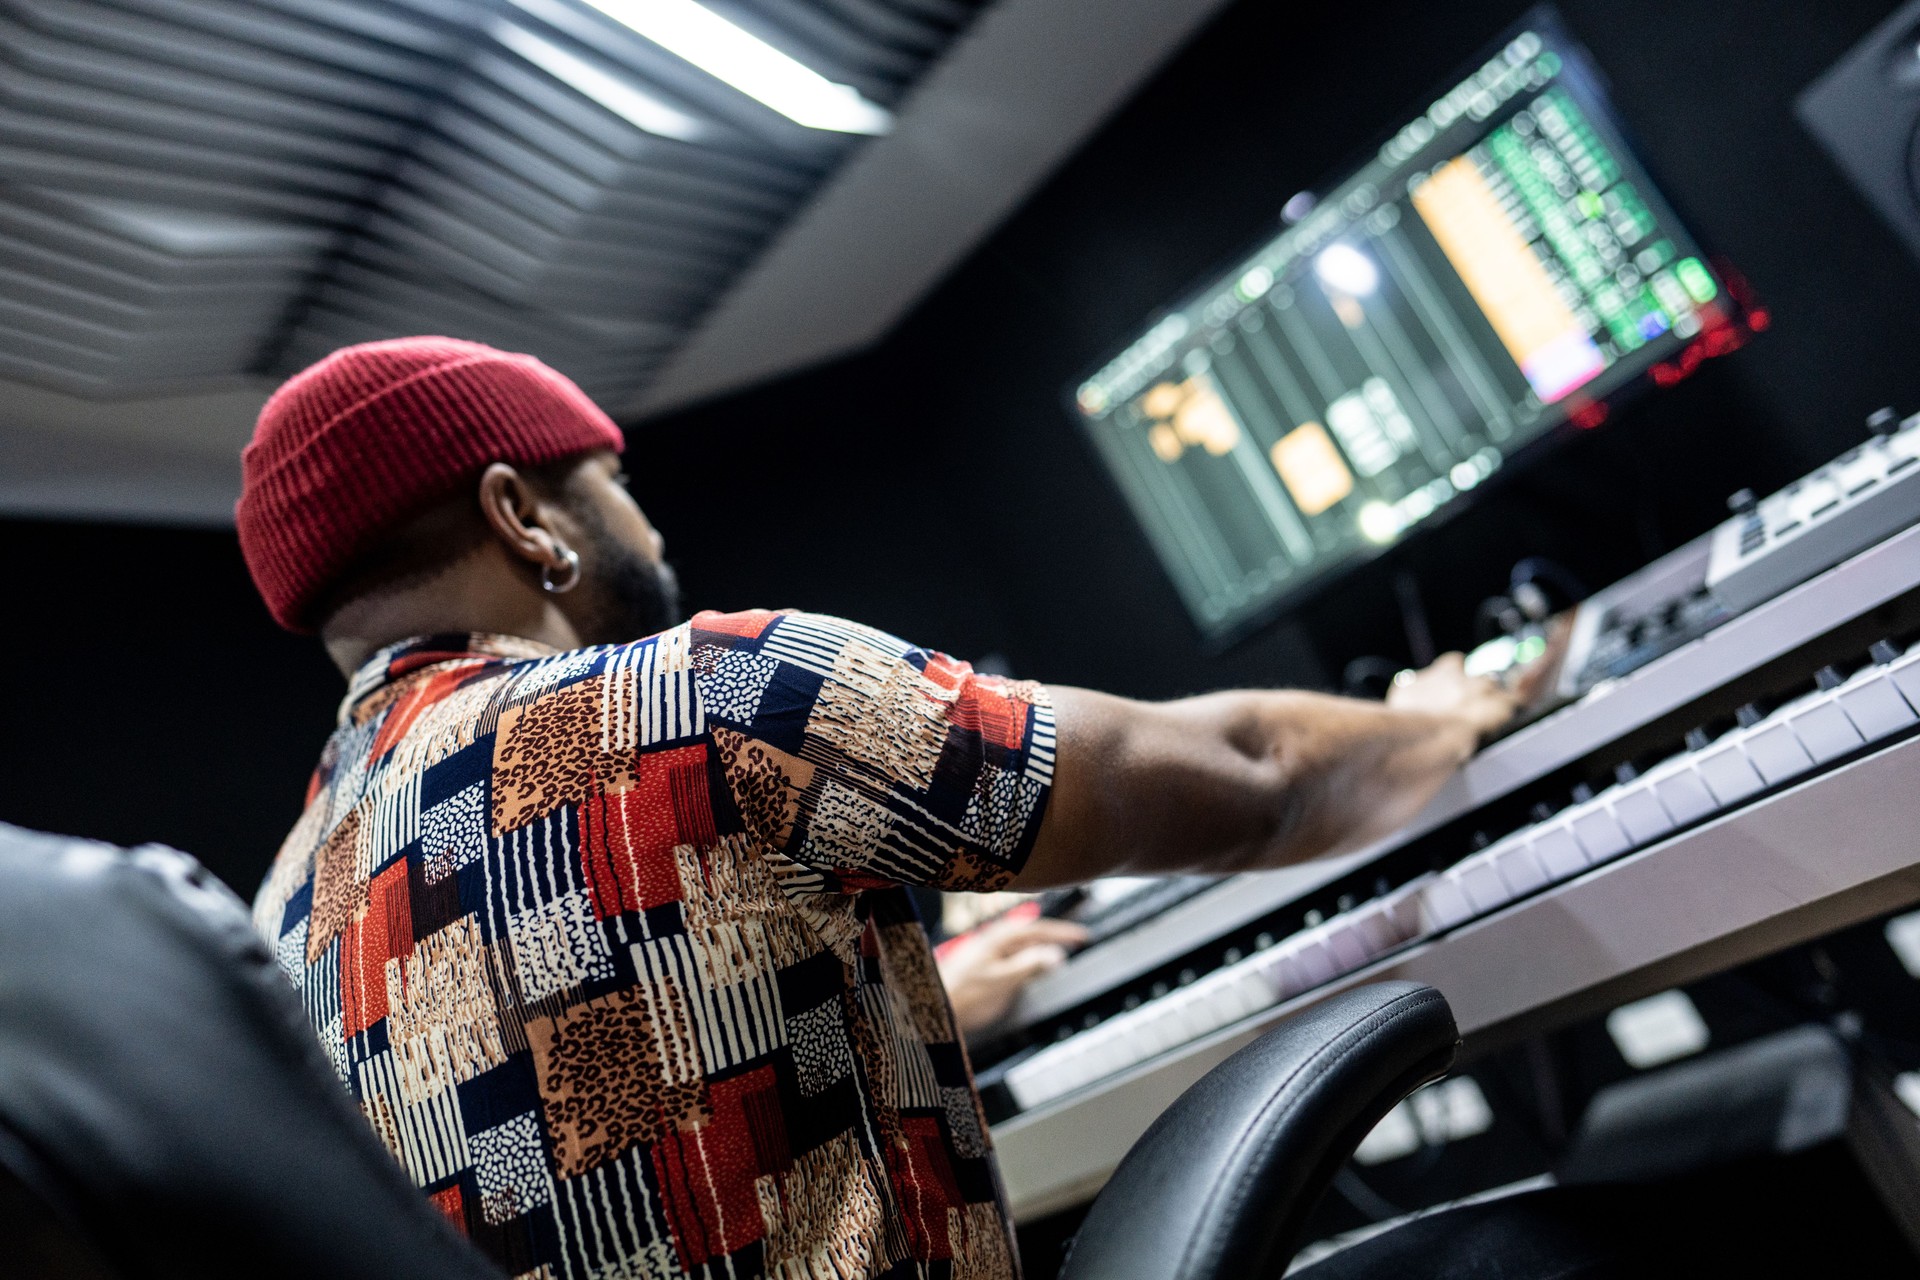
(1234, 781)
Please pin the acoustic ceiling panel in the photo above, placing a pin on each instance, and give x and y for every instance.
(192, 191)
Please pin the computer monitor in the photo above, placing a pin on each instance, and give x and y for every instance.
(1500, 265)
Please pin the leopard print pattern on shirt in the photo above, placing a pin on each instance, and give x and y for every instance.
(547, 753)
(339, 888)
(606, 1087)
(766, 784)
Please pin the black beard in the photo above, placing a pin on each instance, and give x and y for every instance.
(633, 597)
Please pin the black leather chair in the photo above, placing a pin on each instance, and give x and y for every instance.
(165, 1110)
(1219, 1188)
(164, 1106)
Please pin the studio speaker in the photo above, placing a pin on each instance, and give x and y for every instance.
(1865, 111)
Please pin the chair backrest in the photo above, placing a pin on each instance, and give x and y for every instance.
(163, 1094)
(1221, 1185)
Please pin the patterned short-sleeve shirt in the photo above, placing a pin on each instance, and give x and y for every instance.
(610, 947)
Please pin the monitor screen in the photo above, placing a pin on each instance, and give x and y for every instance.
(1499, 265)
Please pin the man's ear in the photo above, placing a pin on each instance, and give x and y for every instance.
(519, 518)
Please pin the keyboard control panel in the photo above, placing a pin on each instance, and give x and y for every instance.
(1861, 497)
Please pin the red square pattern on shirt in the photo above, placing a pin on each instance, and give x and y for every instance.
(449, 1203)
(628, 837)
(750, 624)
(430, 689)
(382, 932)
(707, 1174)
(998, 720)
(925, 1186)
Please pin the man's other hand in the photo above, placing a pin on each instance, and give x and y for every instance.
(986, 970)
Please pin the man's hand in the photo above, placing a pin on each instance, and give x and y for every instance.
(1445, 689)
(985, 971)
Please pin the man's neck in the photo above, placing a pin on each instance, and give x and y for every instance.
(467, 598)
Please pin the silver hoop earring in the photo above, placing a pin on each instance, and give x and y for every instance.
(560, 586)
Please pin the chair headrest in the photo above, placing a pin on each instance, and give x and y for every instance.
(1221, 1185)
(162, 1075)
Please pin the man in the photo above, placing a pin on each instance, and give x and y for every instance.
(600, 917)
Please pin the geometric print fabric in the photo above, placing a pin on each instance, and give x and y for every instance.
(610, 948)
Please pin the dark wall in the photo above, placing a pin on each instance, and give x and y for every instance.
(936, 486)
(146, 695)
(948, 452)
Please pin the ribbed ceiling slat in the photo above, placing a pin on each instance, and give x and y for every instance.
(87, 106)
(89, 67)
(253, 23)
(165, 44)
(192, 190)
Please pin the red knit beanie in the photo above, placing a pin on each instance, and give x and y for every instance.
(373, 434)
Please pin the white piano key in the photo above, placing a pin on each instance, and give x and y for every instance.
(1344, 945)
(1215, 1009)
(1248, 979)
(1083, 1053)
(1190, 1023)
(1232, 1003)
(1089, 1067)
(1776, 754)
(1270, 964)
(1049, 1080)
(1374, 926)
(1403, 909)
(1481, 883)
(1639, 812)
(1182, 1016)
(1681, 791)
(1085, 1041)
(1874, 704)
(1558, 853)
(1116, 1052)
(1824, 730)
(1517, 865)
(1189, 1019)
(1904, 671)
(1156, 1032)
(1028, 1082)
(1315, 963)
(1442, 906)
(1728, 773)
(1293, 977)
(1025, 1089)
(1252, 994)
(1598, 832)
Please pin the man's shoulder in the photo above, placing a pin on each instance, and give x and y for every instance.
(669, 646)
(745, 624)
(795, 631)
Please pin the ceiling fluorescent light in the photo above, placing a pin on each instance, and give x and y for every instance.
(639, 109)
(698, 35)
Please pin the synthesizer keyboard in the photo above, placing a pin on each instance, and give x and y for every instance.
(1766, 713)
(1837, 719)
